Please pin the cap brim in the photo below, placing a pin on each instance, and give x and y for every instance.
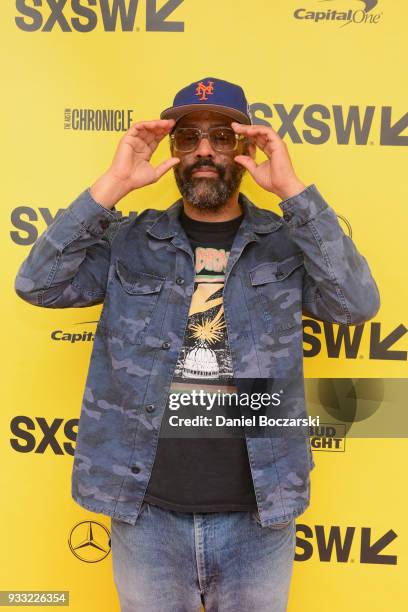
(176, 112)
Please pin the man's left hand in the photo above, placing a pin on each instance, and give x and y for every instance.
(275, 174)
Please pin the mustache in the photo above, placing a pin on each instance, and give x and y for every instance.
(188, 172)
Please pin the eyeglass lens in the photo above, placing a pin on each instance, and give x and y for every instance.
(221, 138)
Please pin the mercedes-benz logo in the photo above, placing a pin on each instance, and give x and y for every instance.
(89, 541)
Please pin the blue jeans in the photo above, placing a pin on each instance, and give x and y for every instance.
(179, 561)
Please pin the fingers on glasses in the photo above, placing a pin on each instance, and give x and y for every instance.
(151, 131)
(259, 133)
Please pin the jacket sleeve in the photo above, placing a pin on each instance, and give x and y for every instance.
(68, 264)
(338, 285)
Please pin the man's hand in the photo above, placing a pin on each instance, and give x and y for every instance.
(276, 173)
(131, 167)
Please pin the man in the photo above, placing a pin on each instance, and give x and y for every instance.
(206, 295)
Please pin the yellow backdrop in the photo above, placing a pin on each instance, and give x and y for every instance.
(328, 76)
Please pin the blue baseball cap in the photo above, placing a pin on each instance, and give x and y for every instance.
(210, 94)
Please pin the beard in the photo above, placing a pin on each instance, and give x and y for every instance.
(207, 193)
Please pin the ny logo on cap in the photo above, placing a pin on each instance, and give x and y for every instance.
(202, 90)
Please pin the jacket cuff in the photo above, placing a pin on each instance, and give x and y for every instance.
(92, 215)
(301, 208)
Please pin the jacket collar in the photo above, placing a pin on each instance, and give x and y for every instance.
(256, 220)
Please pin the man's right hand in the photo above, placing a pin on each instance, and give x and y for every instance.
(131, 167)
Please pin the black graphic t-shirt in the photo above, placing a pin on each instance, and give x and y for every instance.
(203, 474)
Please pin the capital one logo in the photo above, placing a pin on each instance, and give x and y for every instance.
(362, 15)
(111, 15)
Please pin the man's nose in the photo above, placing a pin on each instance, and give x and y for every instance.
(204, 148)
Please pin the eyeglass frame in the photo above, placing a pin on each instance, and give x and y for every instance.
(203, 134)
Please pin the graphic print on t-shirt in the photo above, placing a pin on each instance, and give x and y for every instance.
(205, 353)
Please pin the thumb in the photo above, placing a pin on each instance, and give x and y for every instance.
(246, 161)
(165, 166)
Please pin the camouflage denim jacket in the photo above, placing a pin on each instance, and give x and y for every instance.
(142, 269)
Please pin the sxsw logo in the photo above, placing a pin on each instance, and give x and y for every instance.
(317, 123)
(332, 543)
(37, 435)
(363, 15)
(110, 15)
(344, 341)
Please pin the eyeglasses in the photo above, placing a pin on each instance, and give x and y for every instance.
(222, 139)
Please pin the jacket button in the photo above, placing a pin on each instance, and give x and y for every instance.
(149, 408)
(287, 216)
(135, 469)
(104, 223)
(179, 280)
(279, 274)
(165, 345)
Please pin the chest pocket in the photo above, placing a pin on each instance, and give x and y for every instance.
(130, 303)
(278, 289)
